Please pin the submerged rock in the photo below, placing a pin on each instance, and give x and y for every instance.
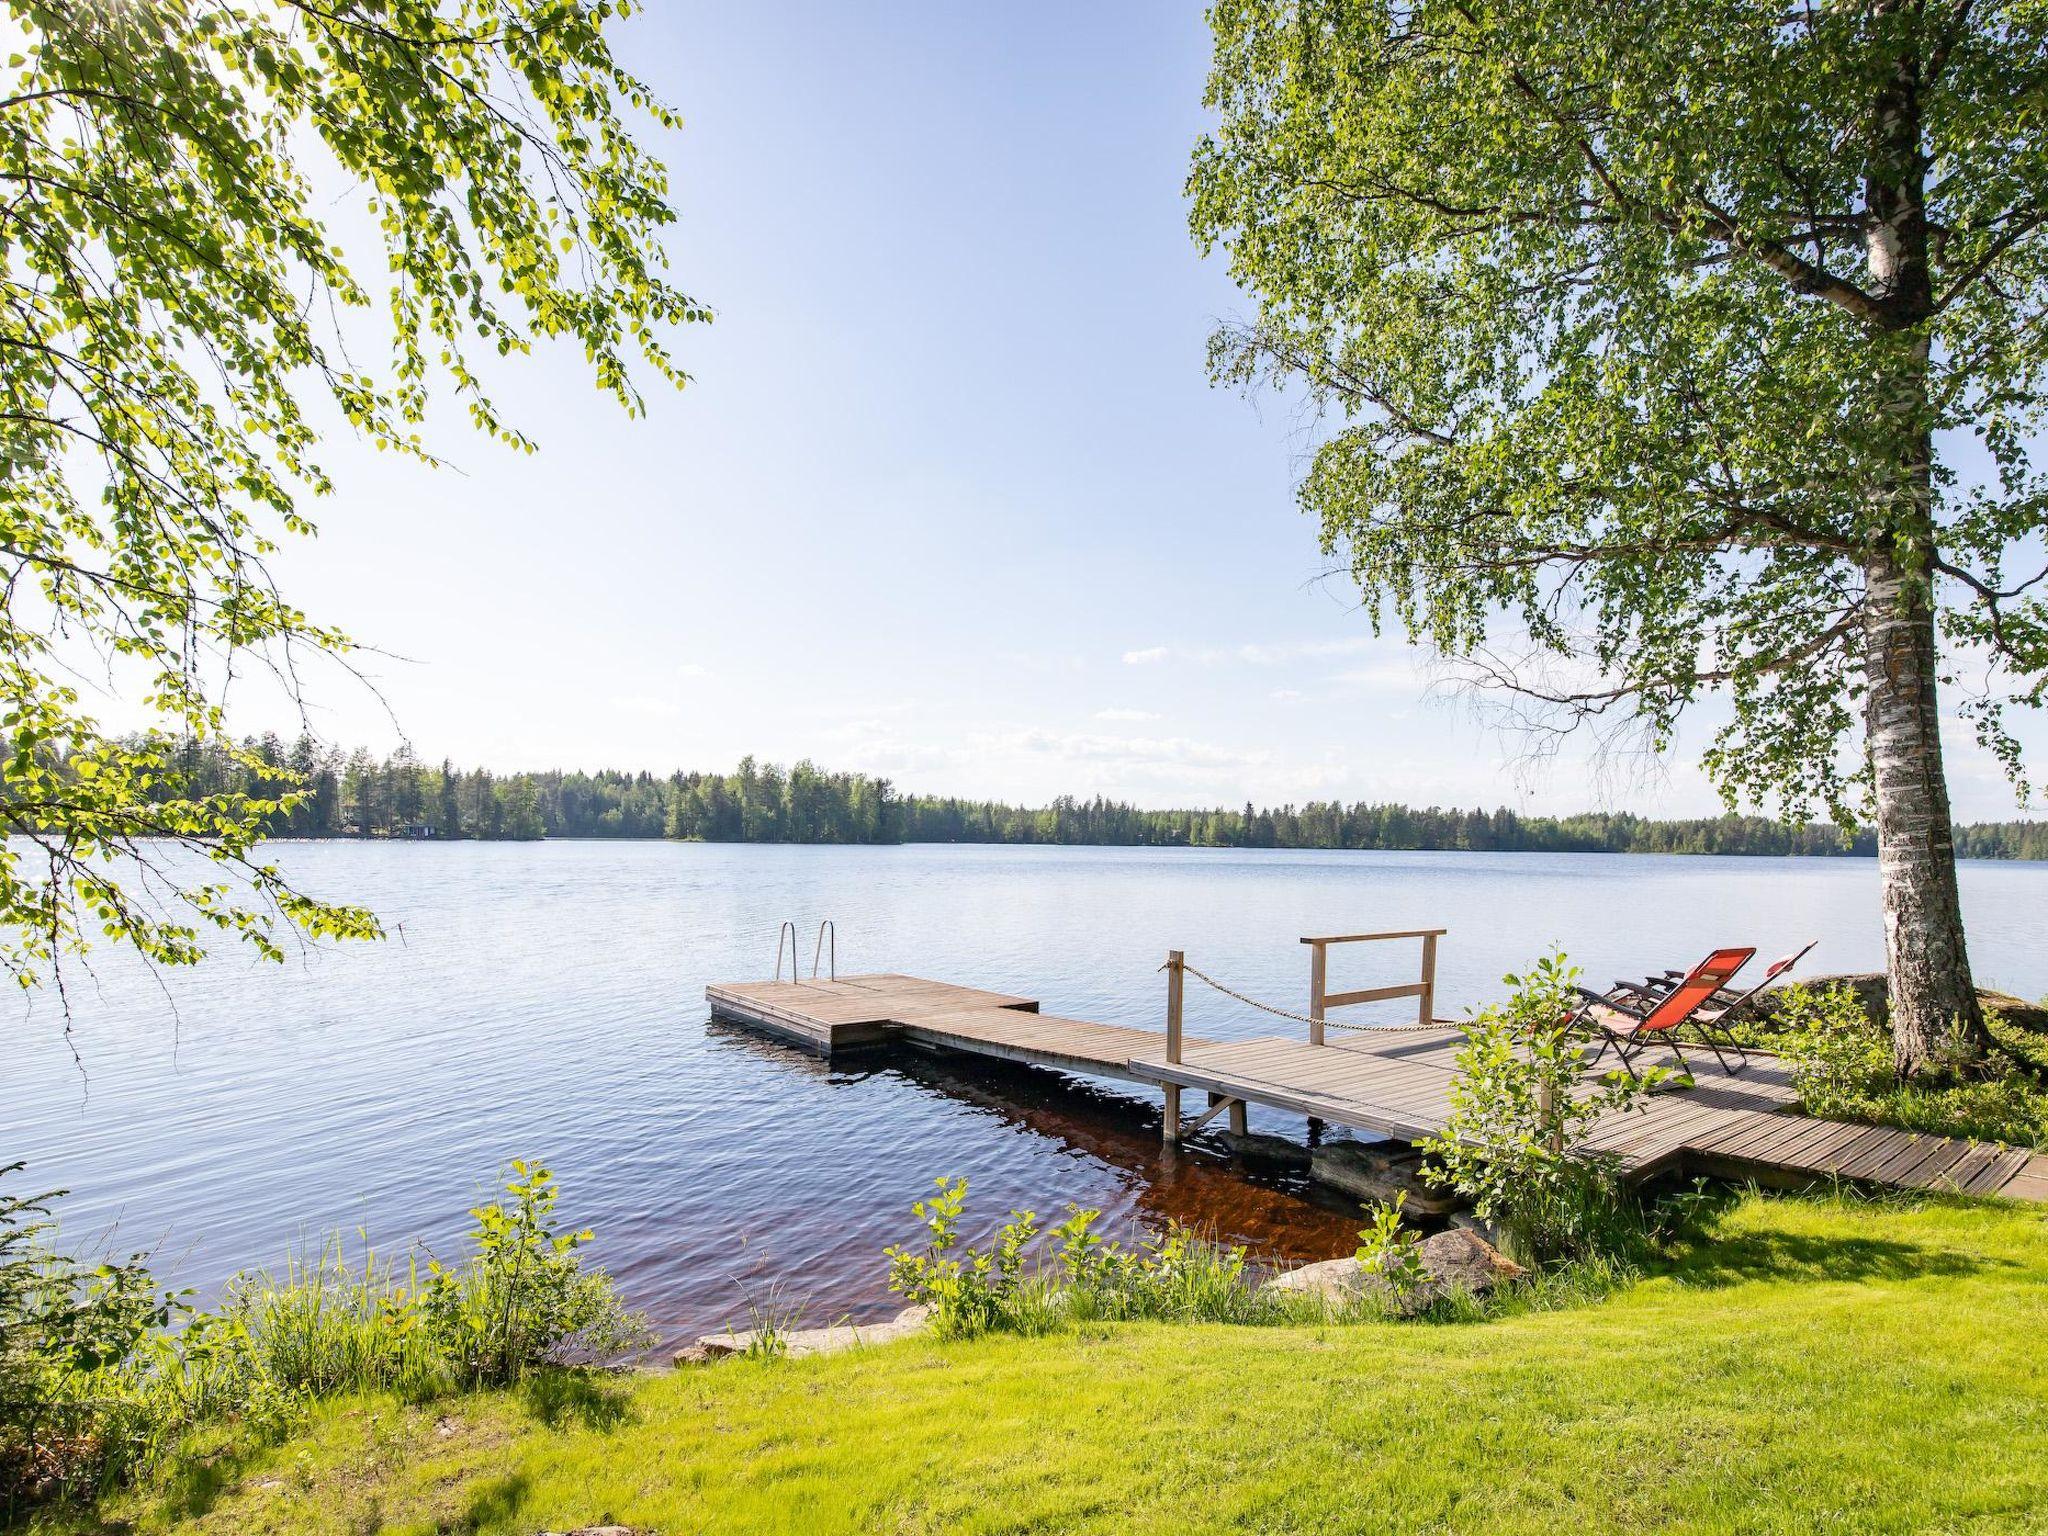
(1382, 1172)
(799, 1342)
(1256, 1147)
(1456, 1260)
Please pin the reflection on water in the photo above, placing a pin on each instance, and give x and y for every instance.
(1278, 1214)
(547, 1001)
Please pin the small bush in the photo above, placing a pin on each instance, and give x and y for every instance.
(1175, 1276)
(978, 1291)
(2026, 1048)
(1837, 1057)
(1392, 1251)
(66, 1331)
(523, 1299)
(1523, 1099)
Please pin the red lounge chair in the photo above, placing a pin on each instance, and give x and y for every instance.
(1727, 1000)
(1646, 1016)
(1713, 1019)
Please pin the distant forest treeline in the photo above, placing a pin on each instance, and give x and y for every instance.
(357, 795)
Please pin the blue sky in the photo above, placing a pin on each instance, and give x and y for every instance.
(950, 498)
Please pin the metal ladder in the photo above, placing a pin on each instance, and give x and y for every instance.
(827, 946)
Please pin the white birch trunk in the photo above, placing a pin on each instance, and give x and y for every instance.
(1934, 1005)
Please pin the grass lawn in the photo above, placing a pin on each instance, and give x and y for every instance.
(1819, 1366)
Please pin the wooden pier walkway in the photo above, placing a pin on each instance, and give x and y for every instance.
(1385, 1083)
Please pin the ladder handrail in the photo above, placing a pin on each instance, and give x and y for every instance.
(786, 932)
(827, 927)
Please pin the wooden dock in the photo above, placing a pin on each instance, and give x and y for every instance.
(1386, 1083)
(852, 1011)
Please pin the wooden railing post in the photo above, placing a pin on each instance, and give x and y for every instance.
(1427, 1012)
(1175, 959)
(1318, 977)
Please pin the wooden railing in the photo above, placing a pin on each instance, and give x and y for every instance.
(1321, 999)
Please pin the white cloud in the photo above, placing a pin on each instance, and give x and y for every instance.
(1287, 695)
(1133, 715)
(693, 669)
(1146, 657)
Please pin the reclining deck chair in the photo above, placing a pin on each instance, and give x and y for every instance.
(1646, 1016)
(1726, 1002)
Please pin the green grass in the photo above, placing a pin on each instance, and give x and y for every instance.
(1817, 1365)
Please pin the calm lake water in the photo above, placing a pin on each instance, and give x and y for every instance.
(546, 1001)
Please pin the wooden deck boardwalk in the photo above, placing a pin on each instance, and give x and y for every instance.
(1393, 1083)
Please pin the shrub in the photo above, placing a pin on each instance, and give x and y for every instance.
(1176, 1275)
(2026, 1047)
(64, 1329)
(1392, 1251)
(983, 1289)
(522, 1300)
(1522, 1100)
(1837, 1057)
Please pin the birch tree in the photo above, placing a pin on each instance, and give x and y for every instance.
(227, 226)
(1675, 352)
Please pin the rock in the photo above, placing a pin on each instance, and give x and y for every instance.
(800, 1342)
(1334, 1280)
(1460, 1259)
(691, 1354)
(1456, 1260)
(1479, 1224)
(1255, 1147)
(1381, 1172)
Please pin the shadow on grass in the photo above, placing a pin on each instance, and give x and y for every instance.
(1723, 1259)
(495, 1503)
(576, 1399)
(196, 1480)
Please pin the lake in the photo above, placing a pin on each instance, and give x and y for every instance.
(546, 1001)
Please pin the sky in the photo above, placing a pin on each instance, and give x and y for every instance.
(949, 499)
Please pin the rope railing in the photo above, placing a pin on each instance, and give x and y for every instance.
(1304, 1018)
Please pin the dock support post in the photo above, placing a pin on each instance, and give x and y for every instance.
(1426, 1014)
(1318, 975)
(1238, 1126)
(1175, 959)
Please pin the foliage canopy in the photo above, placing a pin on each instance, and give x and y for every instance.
(1614, 306)
(181, 321)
